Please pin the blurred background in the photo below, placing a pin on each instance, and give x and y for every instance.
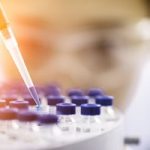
(87, 43)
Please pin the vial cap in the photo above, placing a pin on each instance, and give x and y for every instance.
(48, 119)
(28, 116)
(19, 104)
(2, 103)
(79, 100)
(9, 97)
(52, 90)
(90, 109)
(53, 100)
(93, 92)
(30, 100)
(75, 92)
(66, 108)
(104, 100)
(8, 114)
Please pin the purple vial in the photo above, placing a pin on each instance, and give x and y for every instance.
(79, 100)
(52, 101)
(67, 112)
(27, 116)
(49, 126)
(90, 119)
(28, 122)
(75, 92)
(93, 92)
(52, 90)
(19, 104)
(108, 111)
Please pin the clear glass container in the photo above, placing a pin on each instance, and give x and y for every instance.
(66, 112)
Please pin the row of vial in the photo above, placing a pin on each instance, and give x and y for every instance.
(75, 114)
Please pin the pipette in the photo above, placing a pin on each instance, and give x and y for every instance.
(10, 42)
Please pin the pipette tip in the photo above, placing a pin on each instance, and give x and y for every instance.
(38, 107)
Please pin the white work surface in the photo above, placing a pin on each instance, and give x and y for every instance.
(138, 115)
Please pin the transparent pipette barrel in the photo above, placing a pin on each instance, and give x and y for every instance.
(10, 42)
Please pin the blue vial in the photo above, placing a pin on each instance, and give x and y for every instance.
(93, 92)
(52, 101)
(66, 112)
(48, 127)
(79, 100)
(52, 90)
(90, 121)
(75, 92)
(19, 104)
(8, 124)
(108, 112)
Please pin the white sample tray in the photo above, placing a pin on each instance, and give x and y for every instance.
(110, 139)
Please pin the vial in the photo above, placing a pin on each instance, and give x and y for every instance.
(32, 105)
(31, 102)
(93, 92)
(107, 109)
(9, 97)
(79, 100)
(3, 103)
(8, 123)
(19, 104)
(51, 90)
(66, 112)
(52, 101)
(28, 126)
(48, 127)
(89, 122)
(75, 92)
